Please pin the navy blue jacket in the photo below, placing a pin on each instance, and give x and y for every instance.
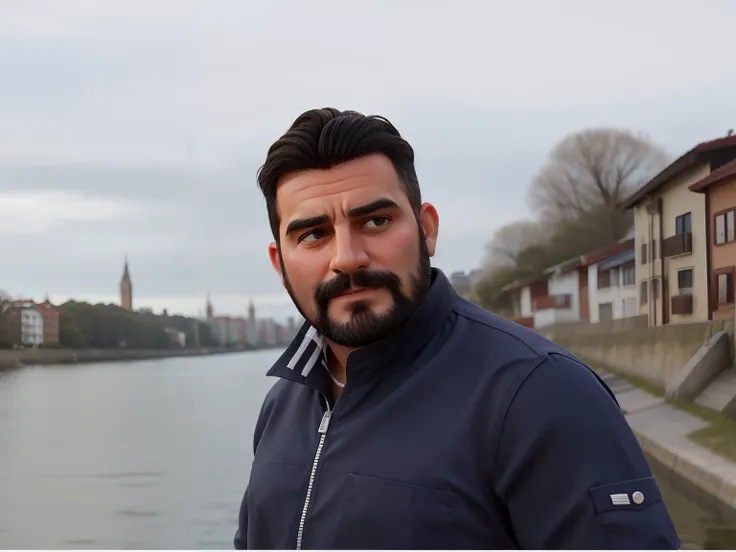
(463, 430)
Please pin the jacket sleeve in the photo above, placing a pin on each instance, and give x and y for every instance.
(570, 470)
(241, 534)
(240, 540)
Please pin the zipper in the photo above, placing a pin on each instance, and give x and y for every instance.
(323, 427)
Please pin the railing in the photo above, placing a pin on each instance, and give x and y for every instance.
(554, 302)
(678, 244)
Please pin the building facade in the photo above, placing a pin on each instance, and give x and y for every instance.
(22, 322)
(612, 282)
(670, 236)
(50, 318)
(719, 191)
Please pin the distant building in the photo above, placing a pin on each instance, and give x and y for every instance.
(248, 331)
(177, 337)
(23, 322)
(126, 289)
(461, 282)
(50, 322)
(210, 311)
(251, 325)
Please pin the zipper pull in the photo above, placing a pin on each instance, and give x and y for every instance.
(325, 423)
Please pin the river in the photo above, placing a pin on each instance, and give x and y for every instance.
(155, 455)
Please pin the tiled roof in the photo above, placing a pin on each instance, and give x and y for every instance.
(691, 158)
(607, 252)
(720, 174)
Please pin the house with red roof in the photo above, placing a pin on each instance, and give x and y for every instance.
(671, 236)
(50, 318)
(600, 285)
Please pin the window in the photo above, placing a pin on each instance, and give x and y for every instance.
(682, 224)
(628, 274)
(644, 253)
(725, 288)
(685, 280)
(724, 227)
(604, 279)
(643, 293)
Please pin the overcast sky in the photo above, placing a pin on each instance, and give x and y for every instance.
(137, 127)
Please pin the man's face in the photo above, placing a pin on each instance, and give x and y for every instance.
(352, 255)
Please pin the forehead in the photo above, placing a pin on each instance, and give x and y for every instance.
(337, 190)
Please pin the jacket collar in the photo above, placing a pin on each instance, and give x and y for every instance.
(304, 360)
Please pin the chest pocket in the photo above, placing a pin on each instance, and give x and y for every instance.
(380, 514)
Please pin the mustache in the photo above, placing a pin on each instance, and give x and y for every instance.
(362, 278)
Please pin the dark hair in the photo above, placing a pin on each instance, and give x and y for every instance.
(323, 138)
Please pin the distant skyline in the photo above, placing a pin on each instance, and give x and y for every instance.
(150, 147)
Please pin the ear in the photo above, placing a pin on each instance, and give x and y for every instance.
(430, 221)
(273, 254)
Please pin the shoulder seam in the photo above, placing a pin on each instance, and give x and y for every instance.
(541, 353)
(533, 369)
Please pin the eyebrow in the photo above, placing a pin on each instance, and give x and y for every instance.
(383, 203)
(305, 223)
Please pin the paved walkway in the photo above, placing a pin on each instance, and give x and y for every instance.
(663, 430)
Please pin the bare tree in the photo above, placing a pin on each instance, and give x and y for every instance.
(510, 241)
(593, 168)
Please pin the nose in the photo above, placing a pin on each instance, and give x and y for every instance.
(349, 254)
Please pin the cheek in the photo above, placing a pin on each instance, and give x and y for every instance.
(398, 251)
(304, 271)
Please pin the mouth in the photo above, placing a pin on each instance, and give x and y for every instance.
(355, 291)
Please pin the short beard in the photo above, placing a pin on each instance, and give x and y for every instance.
(366, 327)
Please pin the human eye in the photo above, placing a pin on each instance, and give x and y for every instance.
(312, 236)
(376, 222)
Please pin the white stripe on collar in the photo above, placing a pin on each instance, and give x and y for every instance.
(310, 336)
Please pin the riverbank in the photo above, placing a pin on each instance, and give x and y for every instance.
(665, 433)
(26, 357)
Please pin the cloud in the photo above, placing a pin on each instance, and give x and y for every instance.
(137, 128)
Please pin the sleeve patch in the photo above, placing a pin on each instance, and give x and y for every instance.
(634, 494)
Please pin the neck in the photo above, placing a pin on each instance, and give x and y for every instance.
(337, 357)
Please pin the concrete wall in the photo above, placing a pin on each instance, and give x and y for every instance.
(656, 355)
(13, 358)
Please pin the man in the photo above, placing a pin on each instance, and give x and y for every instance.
(406, 417)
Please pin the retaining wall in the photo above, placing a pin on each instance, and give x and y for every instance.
(656, 355)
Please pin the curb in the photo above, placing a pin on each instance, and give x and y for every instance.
(721, 487)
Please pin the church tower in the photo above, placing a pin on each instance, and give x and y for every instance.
(210, 310)
(126, 288)
(251, 311)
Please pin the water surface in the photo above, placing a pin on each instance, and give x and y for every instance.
(156, 455)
